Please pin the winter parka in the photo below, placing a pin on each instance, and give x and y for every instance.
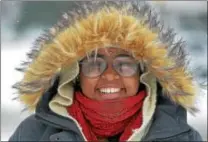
(49, 76)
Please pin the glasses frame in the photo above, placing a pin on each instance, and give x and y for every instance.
(137, 70)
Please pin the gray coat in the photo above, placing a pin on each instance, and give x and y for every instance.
(169, 124)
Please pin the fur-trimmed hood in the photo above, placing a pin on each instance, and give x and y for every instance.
(130, 25)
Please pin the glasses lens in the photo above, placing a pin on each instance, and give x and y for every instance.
(125, 66)
(93, 68)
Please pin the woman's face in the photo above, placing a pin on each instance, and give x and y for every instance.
(113, 74)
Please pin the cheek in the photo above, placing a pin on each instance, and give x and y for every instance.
(88, 86)
(132, 86)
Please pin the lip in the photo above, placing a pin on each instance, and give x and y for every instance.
(110, 86)
(110, 96)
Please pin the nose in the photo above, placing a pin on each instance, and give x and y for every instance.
(110, 74)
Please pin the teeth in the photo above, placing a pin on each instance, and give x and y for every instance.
(109, 90)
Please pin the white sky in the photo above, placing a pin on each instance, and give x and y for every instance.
(189, 7)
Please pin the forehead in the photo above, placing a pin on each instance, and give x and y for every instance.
(111, 51)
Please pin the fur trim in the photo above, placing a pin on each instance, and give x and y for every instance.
(130, 25)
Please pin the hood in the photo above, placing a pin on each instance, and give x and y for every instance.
(130, 25)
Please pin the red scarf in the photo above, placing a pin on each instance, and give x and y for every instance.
(102, 119)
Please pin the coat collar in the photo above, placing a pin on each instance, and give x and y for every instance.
(169, 120)
(48, 117)
(167, 115)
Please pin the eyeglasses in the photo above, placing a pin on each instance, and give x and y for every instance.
(124, 66)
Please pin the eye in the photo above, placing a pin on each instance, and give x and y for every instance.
(126, 68)
(95, 64)
(124, 65)
(93, 68)
(91, 64)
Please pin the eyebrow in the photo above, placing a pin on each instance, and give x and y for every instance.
(93, 55)
(97, 55)
(103, 57)
(123, 55)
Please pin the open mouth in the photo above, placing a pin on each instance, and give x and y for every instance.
(109, 90)
(110, 93)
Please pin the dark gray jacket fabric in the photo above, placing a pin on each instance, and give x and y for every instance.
(169, 124)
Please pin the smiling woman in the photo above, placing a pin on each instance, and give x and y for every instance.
(124, 80)
(109, 80)
(113, 74)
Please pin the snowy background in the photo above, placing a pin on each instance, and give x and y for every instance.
(22, 22)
